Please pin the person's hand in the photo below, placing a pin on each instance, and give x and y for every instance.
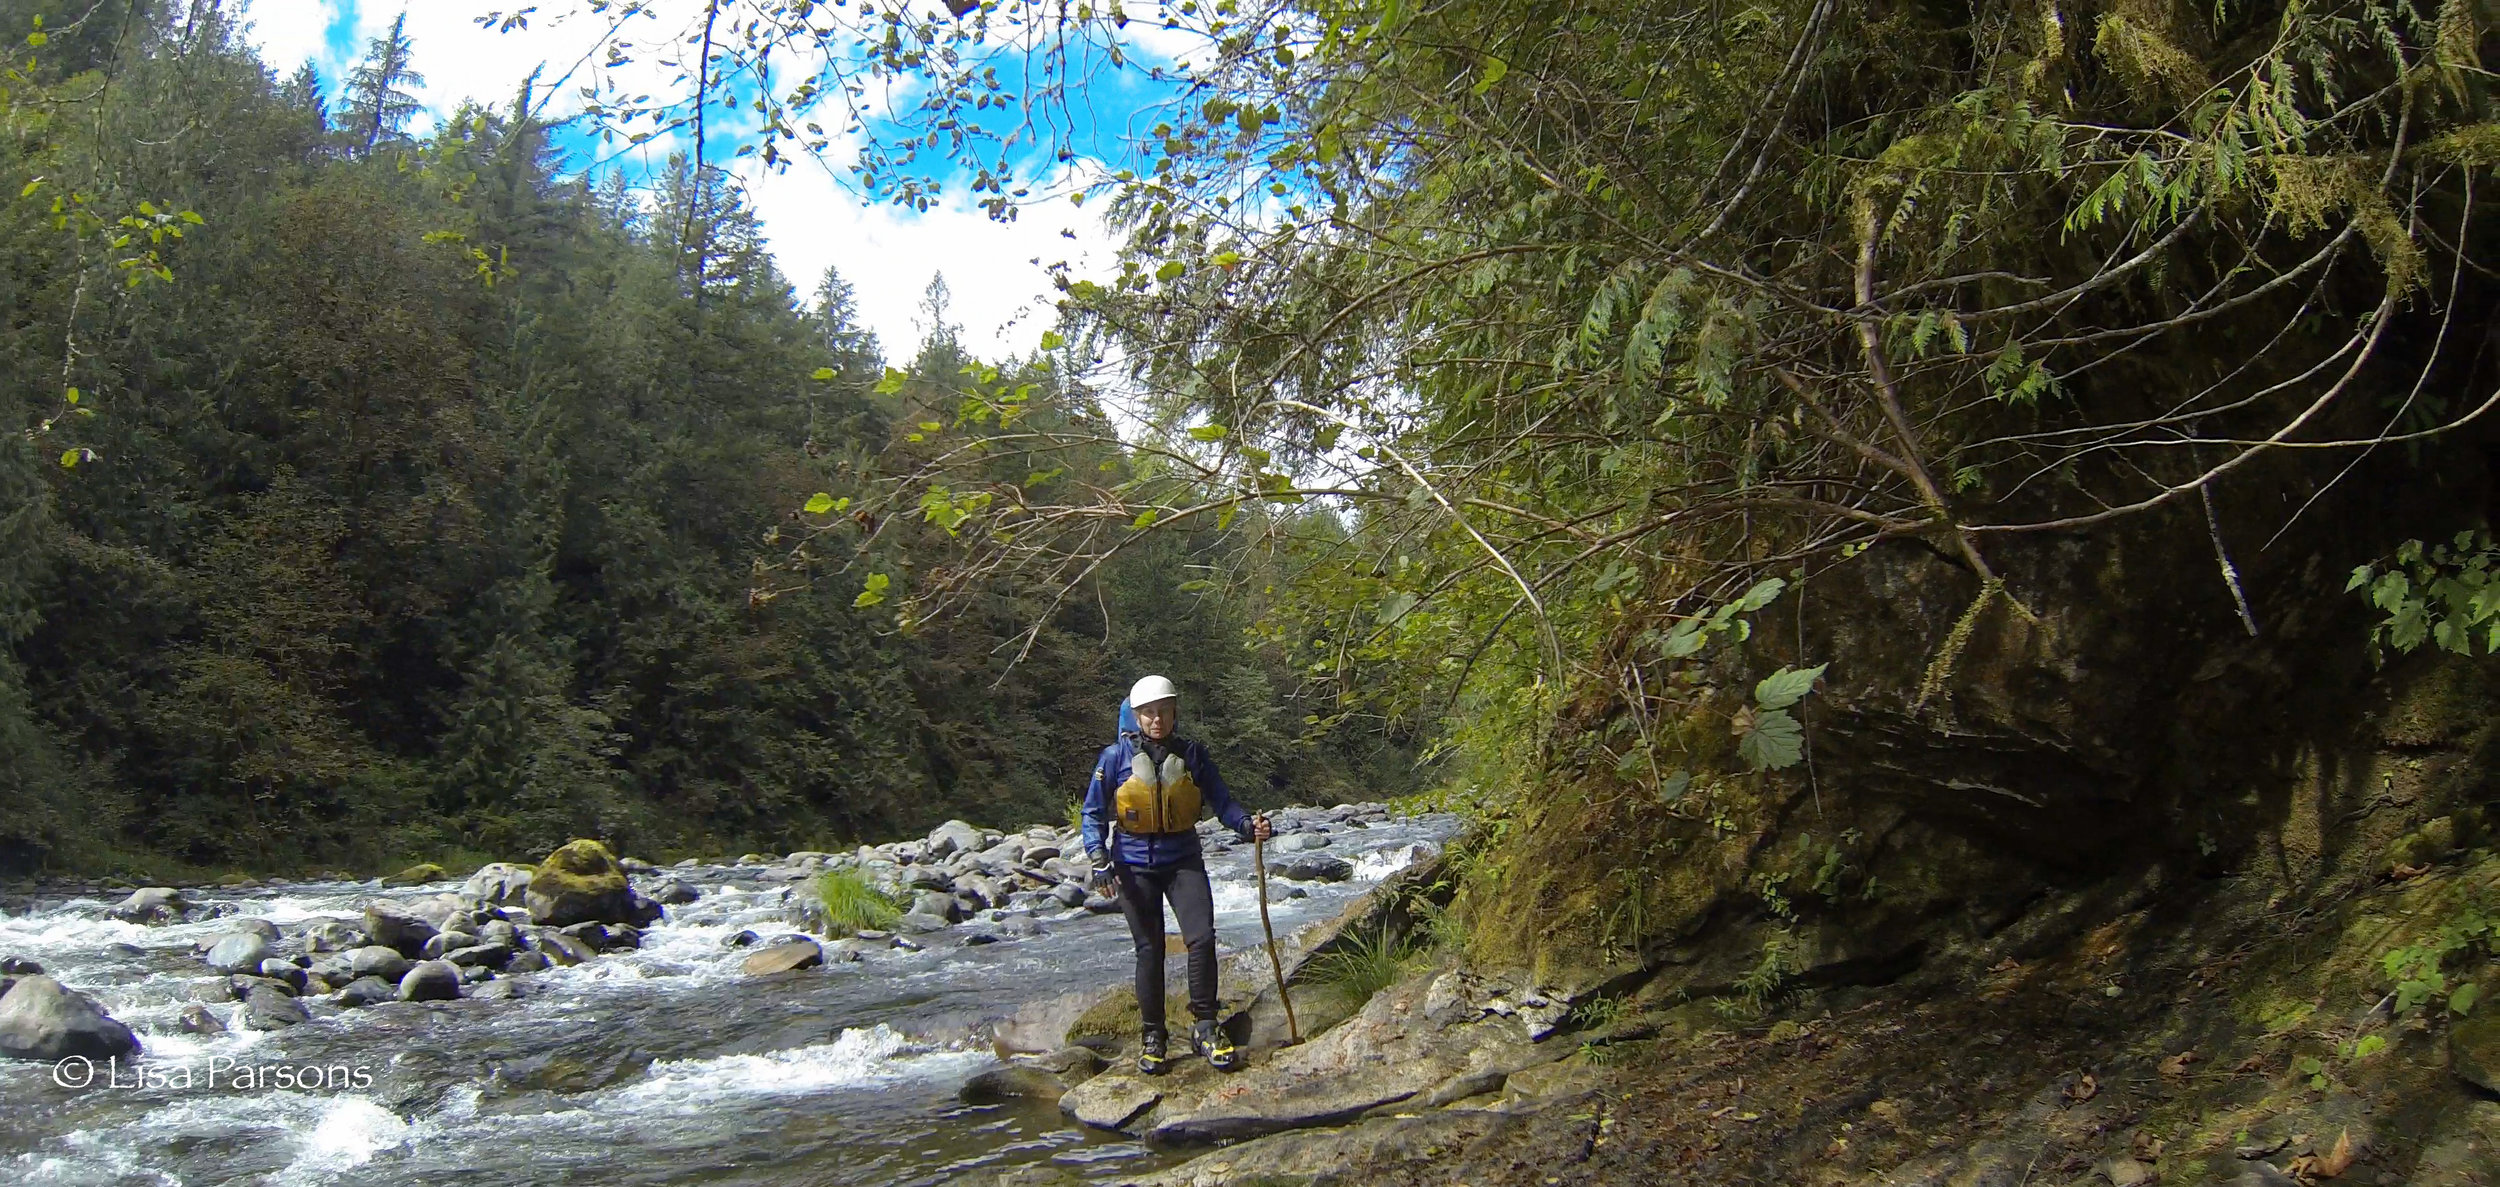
(1260, 829)
(1100, 883)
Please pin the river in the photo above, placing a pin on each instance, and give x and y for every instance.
(658, 1065)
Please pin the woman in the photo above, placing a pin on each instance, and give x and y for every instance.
(1150, 785)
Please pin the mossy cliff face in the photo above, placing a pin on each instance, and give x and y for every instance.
(2129, 896)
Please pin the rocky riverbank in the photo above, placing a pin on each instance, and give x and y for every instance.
(479, 938)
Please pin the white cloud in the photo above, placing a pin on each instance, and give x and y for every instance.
(289, 33)
(1002, 297)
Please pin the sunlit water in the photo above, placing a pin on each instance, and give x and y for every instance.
(659, 1065)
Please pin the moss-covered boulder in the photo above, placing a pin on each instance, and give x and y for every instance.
(581, 882)
(417, 875)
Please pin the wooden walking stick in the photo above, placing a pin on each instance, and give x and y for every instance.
(1258, 858)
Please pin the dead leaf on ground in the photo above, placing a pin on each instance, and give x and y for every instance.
(2254, 1063)
(2407, 873)
(2338, 1160)
(2177, 1065)
(2083, 1089)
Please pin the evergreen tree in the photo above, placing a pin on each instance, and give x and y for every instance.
(379, 102)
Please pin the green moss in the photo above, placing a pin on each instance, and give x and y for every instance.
(417, 875)
(578, 867)
(1115, 1017)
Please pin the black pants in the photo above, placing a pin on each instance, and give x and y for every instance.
(1143, 890)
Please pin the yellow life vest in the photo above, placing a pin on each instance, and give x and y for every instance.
(1157, 801)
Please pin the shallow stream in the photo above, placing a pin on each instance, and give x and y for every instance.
(659, 1065)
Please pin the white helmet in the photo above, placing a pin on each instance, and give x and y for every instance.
(1151, 689)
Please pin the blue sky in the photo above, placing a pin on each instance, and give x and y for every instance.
(1002, 293)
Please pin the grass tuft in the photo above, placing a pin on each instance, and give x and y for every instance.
(850, 905)
(1366, 962)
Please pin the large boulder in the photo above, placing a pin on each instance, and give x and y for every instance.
(240, 952)
(417, 875)
(430, 981)
(581, 882)
(41, 1019)
(153, 904)
(395, 926)
(499, 884)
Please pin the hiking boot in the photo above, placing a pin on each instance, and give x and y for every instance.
(1215, 1045)
(1150, 1058)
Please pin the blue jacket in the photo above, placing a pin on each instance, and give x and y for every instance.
(1155, 849)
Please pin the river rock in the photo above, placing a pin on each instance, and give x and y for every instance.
(238, 953)
(2474, 1051)
(1068, 894)
(1300, 842)
(488, 956)
(581, 882)
(251, 925)
(1102, 904)
(399, 928)
(1001, 1084)
(918, 923)
(742, 938)
(153, 904)
(954, 836)
(560, 948)
(785, 957)
(268, 1008)
(499, 931)
(377, 960)
(931, 902)
(928, 878)
(526, 962)
(1040, 1026)
(417, 875)
(19, 966)
(498, 989)
(364, 991)
(334, 935)
(245, 983)
(430, 981)
(1314, 867)
(196, 1020)
(1109, 1101)
(499, 884)
(42, 1019)
(675, 893)
(441, 942)
(285, 972)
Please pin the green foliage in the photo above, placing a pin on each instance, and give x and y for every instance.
(2419, 972)
(850, 905)
(2444, 594)
(1760, 987)
(1362, 963)
(426, 498)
